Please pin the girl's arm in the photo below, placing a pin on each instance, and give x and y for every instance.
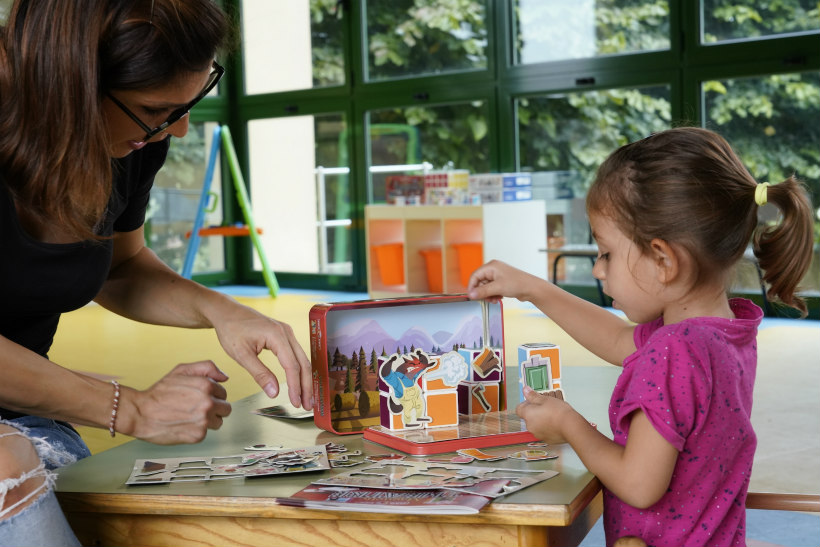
(638, 473)
(141, 287)
(601, 332)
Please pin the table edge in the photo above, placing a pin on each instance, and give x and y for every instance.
(259, 507)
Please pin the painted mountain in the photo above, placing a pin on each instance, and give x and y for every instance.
(369, 334)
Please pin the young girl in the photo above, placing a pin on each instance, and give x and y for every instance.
(672, 215)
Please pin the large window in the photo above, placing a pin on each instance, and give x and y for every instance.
(773, 122)
(292, 45)
(299, 184)
(175, 202)
(563, 137)
(573, 29)
(410, 38)
(356, 91)
(443, 137)
(725, 20)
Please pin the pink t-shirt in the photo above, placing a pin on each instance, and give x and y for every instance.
(694, 381)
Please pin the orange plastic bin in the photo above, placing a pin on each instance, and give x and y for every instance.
(470, 257)
(432, 259)
(390, 259)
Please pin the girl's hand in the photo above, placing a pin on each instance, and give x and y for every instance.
(180, 408)
(497, 279)
(244, 333)
(544, 415)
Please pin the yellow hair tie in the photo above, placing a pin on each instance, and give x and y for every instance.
(761, 193)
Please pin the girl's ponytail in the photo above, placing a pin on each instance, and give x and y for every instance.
(784, 249)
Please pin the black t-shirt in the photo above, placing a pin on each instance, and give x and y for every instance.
(40, 281)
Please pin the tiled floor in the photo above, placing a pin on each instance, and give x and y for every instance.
(786, 414)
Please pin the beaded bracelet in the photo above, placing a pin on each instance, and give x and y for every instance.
(114, 408)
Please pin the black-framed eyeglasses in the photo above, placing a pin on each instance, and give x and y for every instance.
(177, 114)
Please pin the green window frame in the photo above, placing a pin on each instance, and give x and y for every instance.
(682, 67)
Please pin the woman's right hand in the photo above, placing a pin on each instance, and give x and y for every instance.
(180, 408)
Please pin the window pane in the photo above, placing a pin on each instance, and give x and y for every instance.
(450, 136)
(300, 190)
(290, 45)
(738, 19)
(774, 124)
(562, 139)
(576, 29)
(175, 201)
(419, 37)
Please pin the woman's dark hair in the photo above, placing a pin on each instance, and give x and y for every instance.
(688, 187)
(58, 58)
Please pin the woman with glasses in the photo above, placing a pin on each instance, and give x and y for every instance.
(90, 91)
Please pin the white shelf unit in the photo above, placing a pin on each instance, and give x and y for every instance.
(514, 232)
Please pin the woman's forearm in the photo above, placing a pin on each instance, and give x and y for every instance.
(144, 289)
(34, 385)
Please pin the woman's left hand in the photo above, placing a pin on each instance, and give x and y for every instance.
(244, 333)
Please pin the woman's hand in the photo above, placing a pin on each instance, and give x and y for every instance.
(244, 333)
(544, 415)
(180, 408)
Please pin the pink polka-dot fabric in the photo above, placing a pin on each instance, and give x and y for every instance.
(694, 381)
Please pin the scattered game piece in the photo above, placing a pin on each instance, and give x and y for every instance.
(264, 447)
(343, 460)
(479, 455)
(384, 457)
(332, 447)
(345, 463)
(281, 411)
(532, 455)
(460, 458)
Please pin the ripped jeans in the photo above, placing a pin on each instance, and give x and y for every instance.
(42, 522)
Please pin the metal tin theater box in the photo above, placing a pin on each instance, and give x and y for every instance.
(405, 363)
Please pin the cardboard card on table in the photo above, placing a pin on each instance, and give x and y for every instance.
(250, 464)
(421, 475)
(284, 411)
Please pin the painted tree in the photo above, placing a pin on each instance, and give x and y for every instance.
(374, 361)
(338, 361)
(353, 365)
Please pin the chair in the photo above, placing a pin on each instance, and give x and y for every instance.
(756, 500)
(588, 251)
(806, 503)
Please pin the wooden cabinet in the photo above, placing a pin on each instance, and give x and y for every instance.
(426, 249)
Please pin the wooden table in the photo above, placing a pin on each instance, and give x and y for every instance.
(104, 511)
